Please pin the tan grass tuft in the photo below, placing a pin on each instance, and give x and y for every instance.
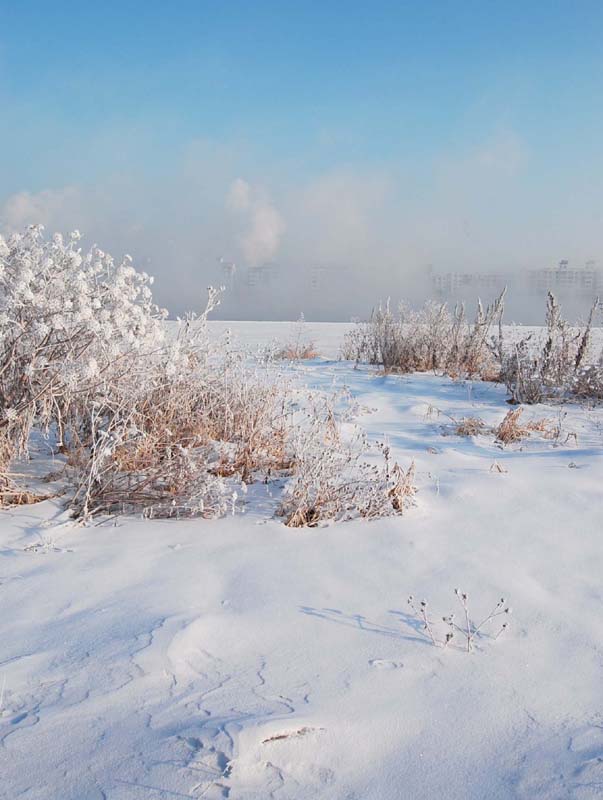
(510, 429)
(545, 426)
(17, 497)
(470, 426)
(294, 352)
(403, 489)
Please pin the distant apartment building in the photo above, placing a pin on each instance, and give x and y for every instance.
(228, 272)
(282, 292)
(454, 284)
(314, 278)
(564, 279)
(262, 276)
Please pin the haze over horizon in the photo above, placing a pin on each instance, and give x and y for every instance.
(370, 141)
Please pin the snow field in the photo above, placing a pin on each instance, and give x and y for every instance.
(239, 658)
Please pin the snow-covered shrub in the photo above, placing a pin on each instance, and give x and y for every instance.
(554, 365)
(431, 338)
(587, 383)
(83, 352)
(188, 435)
(71, 324)
(332, 478)
(378, 341)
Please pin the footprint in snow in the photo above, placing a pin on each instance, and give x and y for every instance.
(384, 663)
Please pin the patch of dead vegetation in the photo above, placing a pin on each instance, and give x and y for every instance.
(511, 429)
(470, 426)
(18, 497)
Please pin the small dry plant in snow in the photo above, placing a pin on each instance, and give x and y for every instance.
(444, 630)
(512, 430)
(300, 348)
(470, 426)
(465, 426)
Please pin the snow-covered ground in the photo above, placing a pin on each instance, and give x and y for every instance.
(327, 336)
(239, 658)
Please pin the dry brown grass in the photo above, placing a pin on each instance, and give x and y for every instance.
(297, 352)
(470, 426)
(170, 447)
(430, 339)
(511, 428)
(548, 428)
(17, 497)
(403, 489)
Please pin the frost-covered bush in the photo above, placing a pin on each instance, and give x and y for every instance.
(554, 365)
(557, 363)
(430, 339)
(332, 478)
(185, 443)
(71, 324)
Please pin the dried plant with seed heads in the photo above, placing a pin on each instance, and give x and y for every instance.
(443, 631)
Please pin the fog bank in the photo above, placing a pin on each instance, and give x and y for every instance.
(331, 245)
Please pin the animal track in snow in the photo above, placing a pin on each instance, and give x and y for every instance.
(384, 663)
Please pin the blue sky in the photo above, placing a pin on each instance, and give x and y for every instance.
(445, 107)
(314, 82)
